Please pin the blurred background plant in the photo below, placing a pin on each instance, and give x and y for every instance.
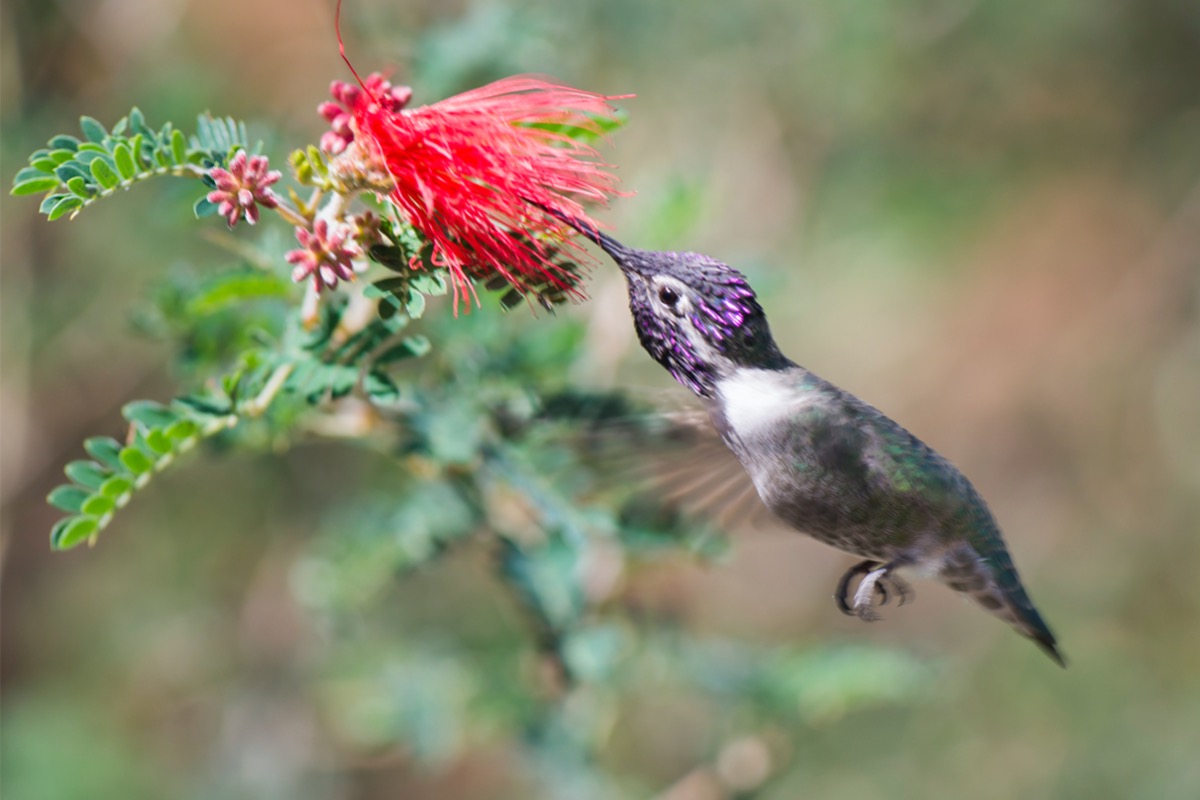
(982, 217)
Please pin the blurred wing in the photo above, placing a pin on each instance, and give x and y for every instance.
(673, 458)
(701, 476)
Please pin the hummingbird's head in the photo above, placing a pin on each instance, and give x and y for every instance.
(697, 317)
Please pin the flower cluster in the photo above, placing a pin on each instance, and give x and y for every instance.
(368, 228)
(486, 176)
(243, 187)
(490, 178)
(346, 97)
(326, 254)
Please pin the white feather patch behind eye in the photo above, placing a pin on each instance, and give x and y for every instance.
(681, 306)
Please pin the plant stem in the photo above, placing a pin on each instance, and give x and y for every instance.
(257, 406)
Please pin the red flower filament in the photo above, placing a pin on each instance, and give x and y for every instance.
(471, 171)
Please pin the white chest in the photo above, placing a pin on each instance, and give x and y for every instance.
(756, 402)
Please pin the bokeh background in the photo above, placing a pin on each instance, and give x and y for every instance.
(983, 217)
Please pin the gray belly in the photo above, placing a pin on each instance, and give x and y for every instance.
(809, 458)
(855, 517)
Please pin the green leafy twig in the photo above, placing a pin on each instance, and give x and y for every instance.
(158, 436)
(75, 172)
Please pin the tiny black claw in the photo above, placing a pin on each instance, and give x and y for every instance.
(903, 588)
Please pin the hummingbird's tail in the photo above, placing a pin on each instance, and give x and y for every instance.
(990, 578)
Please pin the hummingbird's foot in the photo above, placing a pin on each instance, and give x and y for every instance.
(843, 588)
(878, 577)
(902, 588)
(865, 594)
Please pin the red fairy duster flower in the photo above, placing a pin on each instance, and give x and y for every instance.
(482, 174)
(340, 112)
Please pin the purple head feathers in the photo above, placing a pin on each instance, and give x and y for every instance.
(696, 316)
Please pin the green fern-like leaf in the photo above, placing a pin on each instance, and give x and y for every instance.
(601, 125)
(549, 291)
(76, 172)
(219, 137)
(410, 256)
(99, 488)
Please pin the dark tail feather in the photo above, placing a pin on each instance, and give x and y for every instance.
(992, 582)
(1050, 647)
(1030, 623)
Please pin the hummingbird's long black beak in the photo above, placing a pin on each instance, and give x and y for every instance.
(619, 252)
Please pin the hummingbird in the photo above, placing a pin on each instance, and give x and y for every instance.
(823, 461)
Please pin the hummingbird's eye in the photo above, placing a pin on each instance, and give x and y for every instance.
(668, 296)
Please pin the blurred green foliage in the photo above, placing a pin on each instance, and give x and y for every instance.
(980, 216)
